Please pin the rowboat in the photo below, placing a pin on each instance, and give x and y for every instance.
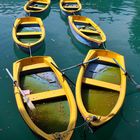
(55, 113)
(69, 7)
(28, 33)
(36, 6)
(86, 31)
(101, 86)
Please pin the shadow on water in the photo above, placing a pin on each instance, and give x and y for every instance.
(21, 54)
(65, 18)
(78, 45)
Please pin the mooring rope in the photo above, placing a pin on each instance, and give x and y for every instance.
(30, 51)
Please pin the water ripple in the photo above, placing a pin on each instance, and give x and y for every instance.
(11, 8)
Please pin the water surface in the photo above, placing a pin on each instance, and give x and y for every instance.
(121, 23)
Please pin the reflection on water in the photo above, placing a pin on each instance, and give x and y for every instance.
(134, 39)
(103, 6)
(120, 21)
(78, 45)
(11, 7)
(131, 111)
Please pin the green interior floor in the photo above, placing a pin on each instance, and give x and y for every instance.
(93, 35)
(29, 28)
(29, 38)
(99, 101)
(104, 72)
(51, 116)
(37, 4)
(40, 82)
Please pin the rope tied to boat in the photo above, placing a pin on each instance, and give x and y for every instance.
(30, 50)
(58, 136)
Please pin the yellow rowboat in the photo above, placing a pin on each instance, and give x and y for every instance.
(69, 7)
(101, 86)
(86, 31)
(28, 33)
(36, 6)
(55, 113)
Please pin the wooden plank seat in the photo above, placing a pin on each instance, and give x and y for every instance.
(46, 95)
(28, 22)
(106, 59)
(88, 31)
(34, 66)
(103, 84)
(28, 33)
(35, 7)
(70, 6)
(81, 21)
(41, 2)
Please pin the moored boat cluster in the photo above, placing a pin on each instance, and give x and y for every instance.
(42, 93)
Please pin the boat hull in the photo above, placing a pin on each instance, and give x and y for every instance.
(66, 11)
(101, 87)
(86, 31)
(34, 11)
(28, 32)
(55, 113)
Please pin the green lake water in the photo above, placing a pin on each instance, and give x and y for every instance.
(120, 20)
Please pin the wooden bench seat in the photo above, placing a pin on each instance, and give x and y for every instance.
(103, 84)
(46, 95)
(81, 21)
(28, 33)
(35, 7)
(70, 6)
(88, 31)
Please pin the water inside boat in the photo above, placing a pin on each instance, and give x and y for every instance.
(29, 28)
(87, 30)
(97, 100)
(39, 81)
(25, 28)
(103, 71)
(93, 35)
(53, 114)
(70, 6)
(29, 38)
(86, 26)
(38, 4)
